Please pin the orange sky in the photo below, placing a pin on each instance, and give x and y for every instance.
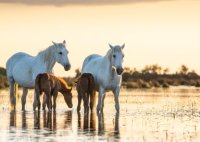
(166, 33)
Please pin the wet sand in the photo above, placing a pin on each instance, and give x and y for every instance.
(158, 115)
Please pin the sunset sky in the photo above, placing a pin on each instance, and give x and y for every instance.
(164, 32)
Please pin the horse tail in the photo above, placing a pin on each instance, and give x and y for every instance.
(38, 90)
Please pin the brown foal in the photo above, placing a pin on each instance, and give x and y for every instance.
(86, 88)
(51, 85)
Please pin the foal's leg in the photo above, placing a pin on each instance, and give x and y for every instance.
(23, 98)
(44, 102)
(100, 99)
(92, 100)
(50, 103)
(79, 101)
(37, 102)
(86, 100)
(116, 96)
(55, 94)
(48, 100)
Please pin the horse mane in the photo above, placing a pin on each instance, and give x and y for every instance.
(47, 53)
(63, 82)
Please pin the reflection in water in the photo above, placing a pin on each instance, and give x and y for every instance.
(146, 116)
(86, 121)
(44, 119)
(92, 121)
(68, 120)
(13, 119)
(79, 120)
(37, 119)
(54, 121)
(116, 126)
(48, 121)
(24, 126)
(88, 126)
(89, 123)
(101, 125)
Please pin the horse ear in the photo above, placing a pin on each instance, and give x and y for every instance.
(64, 42)
(110, 45)
(54, 43)
(70, 89)
(123, 46)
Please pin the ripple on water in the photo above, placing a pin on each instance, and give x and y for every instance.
(145, 115)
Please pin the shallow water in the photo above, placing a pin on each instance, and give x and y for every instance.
(158, 115)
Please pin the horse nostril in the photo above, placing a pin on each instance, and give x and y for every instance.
(122, 70)
(71, 105)
(119, 71)
(67, 67)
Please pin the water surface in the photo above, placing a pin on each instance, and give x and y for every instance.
(145, 115)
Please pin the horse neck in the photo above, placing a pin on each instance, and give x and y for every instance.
(107, 62)
(62, 87)
(48, 58)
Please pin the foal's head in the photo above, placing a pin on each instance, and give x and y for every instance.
(67, 93)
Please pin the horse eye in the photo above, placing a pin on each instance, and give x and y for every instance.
(60, 53)
(114, 56)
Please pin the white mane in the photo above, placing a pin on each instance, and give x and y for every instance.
(47, 54)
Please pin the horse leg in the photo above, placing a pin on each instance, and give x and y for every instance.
(36, 102)
(48, 100)
(116, 96)
(12, 95)
(85, 100)
(50, 103)
(44, 101)
(79, 101)
(92, 100)
(23, 98)
(54, 100)
(100, 99)
(103, 101)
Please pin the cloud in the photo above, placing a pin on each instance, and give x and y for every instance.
(76, 2)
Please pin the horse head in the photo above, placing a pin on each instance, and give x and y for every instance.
(116, 58)
(61, 55)
(68, 96)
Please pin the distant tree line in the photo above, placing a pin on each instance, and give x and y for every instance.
(3, 80)
(150, 76)
(156, 76)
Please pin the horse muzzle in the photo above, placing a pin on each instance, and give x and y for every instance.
(70, 105)
(67, 67)
(119, 71)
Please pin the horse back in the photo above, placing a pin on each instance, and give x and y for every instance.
(90, 59)
(86, 83)
(91, 83)
(12, 61)
(42, 83)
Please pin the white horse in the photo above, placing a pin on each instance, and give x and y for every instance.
(107, 72)
(23, 68)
